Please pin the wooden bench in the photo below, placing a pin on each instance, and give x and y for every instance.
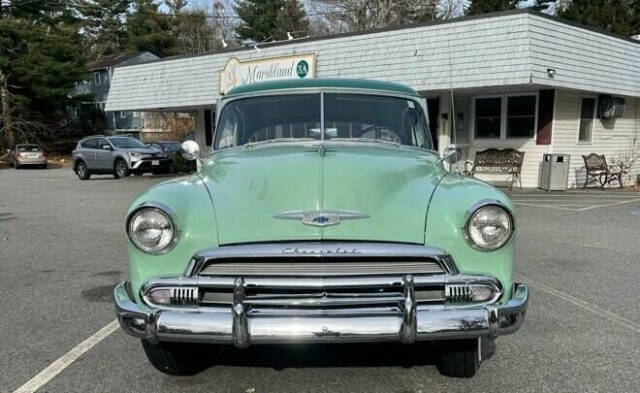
(598, 170)
(508, 161)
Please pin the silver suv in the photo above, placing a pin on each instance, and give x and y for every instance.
(117, 155)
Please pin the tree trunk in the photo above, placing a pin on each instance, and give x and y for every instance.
(6, 115)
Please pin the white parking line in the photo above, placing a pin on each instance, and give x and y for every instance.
(56, 367)
(563, 206)
(572, 195)
(620, 320)
(546, 206)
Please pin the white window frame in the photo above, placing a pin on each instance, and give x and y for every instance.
(595, 117)
(136, 114)
(503, 116)
(123, 114)
(97, 78)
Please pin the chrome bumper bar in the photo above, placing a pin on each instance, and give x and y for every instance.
(241, 327)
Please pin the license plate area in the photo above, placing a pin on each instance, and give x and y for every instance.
(155, 162)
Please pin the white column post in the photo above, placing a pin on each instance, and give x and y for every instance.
(444, 122)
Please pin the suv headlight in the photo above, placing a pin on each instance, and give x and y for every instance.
(152, 229)
(135, 156)
(489, 227)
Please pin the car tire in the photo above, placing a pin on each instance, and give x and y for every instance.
(120, 169)
(44, 166)
(459, 359)
(82, 170)
(179, 358)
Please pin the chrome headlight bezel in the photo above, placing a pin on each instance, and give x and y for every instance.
(165, 211)
(471, 214)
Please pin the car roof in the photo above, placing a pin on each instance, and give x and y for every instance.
(318, 83)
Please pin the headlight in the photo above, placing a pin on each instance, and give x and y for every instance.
(489, 227)
(152, 229)
(135, 156)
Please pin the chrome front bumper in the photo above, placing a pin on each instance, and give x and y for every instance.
(232, 325)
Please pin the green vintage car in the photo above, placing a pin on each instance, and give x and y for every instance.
(323, 215)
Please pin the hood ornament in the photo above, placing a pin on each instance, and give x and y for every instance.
(321, 218)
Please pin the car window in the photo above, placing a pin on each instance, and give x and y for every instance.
(259, 119)
(28, 148)
(102, 142)
(373, 117)
(127, 143)
(90, 144)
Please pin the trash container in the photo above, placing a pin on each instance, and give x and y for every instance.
(555, 172)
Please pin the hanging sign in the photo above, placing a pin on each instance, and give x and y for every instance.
(238, 73)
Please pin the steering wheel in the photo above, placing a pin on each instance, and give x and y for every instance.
(376, 132)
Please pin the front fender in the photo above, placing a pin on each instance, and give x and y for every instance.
(189, 199)
(446, 218)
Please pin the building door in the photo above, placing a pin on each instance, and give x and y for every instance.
(433, 108)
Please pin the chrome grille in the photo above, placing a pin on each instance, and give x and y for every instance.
(184, 295)
(321, 268)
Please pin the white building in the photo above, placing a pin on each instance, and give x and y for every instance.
(520, 79)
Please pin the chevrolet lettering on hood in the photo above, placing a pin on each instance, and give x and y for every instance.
(320, 251)
(322, 215)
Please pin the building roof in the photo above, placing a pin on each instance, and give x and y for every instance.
(119, 58)
(109, 61)
(347, 83)
(515, 49)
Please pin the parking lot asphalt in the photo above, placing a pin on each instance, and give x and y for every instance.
(62, 250)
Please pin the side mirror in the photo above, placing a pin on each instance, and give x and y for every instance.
(448, 152)
(190, 150)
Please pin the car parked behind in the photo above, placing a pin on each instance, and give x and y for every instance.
(174, 150)
(28, 155)
(117, 155)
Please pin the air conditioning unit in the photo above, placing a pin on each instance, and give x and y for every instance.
(609, 106)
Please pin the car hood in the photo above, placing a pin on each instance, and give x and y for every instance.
(143, 150)
(380, 193)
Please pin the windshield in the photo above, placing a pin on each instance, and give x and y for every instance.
(127, 143)
(170, 146)
(361, 117)
(27, 148)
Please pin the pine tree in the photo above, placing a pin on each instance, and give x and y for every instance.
(542, 5)
(292, 18)
(40, 60)
(150, 30)
(615, 16)
(259, 19)
(102, 25)
(477, 7)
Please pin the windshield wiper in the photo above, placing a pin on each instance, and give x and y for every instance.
(392, 143)
(259, 143)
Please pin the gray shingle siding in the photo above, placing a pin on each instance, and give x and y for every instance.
(504, 50)
(477, 52)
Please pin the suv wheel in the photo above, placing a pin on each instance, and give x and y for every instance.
(120, 169)
(459, 359)
(179, 358)
(82, 171)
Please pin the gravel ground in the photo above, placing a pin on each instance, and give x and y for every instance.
(62, 250)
